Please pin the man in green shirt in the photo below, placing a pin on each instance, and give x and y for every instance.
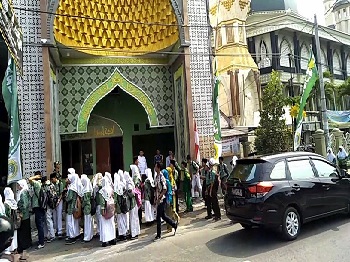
(57, 212)
(187, 186)
(39, 211)
(212, 182)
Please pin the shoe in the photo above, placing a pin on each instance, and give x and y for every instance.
(175, 228)
(217, 219)
(113, 242)
(208, 217)
(169, 230)
(40, 246)
(49, 240)
(71, 241)
(59, 236)
(104, 244)
(122, 239)
(97, 235)
(156, 239)
(67, 238)
(134, 238)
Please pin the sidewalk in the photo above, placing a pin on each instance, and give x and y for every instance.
(58, 248)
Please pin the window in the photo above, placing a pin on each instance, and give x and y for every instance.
(279, 171)
(324, 169)
(300, 169)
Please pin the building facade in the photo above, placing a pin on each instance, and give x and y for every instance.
(282, 40)
(104, 79)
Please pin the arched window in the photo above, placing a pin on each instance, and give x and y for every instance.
(304, 56)
(324, 61)
(348, 65)
(264, 58)
(285, 50)
(337, 69)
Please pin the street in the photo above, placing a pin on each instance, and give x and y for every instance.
(199, 240)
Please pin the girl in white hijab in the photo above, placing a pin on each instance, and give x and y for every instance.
(86, 205)
(2, 207)
(74, 190)
(149, 188)
(342, 157)
(107, 227)
(96, 185)
(109, 178)
(10, 206)
(133, 213)
(331, 157)
(120, 200)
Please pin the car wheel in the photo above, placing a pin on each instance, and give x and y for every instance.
(246, 226)
(291, 224)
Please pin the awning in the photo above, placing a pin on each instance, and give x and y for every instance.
(232, 132)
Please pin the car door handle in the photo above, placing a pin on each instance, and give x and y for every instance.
(326, 187)
(296, 187)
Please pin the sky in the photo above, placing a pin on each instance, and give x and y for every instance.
(308, 8)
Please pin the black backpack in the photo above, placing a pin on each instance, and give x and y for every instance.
(52, 197)
(93, 205)
(152, 196)
(42, 198)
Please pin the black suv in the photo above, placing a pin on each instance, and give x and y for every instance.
(285, 190)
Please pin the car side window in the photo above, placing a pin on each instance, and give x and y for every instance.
(279, 171)
(301, 169)
(324, 169)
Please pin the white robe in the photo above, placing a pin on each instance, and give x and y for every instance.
(97, 218)
(122, 221)
(73, 229)
(88, 228)
(14, 244)
(149, 211)
(134, 222)
(107, 229)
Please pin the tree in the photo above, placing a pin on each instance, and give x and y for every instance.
(272, 135)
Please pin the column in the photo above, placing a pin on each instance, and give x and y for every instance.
(320, 142)
(338, 138)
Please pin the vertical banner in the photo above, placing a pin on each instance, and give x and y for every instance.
(309, 83)
(9, 93)
(216, 116)
(196, 141)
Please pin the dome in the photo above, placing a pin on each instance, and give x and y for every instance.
(273, 5)
(339, 3)
(116, 27)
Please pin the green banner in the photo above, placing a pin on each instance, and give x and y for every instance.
(216, 118)
(9, 93)
(309, 83)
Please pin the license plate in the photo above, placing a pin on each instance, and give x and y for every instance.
(237, 192)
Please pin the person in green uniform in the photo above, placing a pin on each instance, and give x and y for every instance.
(23, 202)
(121, 205)
(57, 212)
(212, 181)
(86, 205)
(186, 186)
(223, 173)
(72, 224)
(149, 197)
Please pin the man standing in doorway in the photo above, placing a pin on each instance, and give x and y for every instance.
(142, 164)
(193, 167)
(168, 158)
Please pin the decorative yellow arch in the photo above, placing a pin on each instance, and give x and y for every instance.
(104, 89)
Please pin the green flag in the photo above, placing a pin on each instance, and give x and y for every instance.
(216, 117)
(9, 93)
(309, 83)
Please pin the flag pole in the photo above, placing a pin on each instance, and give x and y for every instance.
(324, 118)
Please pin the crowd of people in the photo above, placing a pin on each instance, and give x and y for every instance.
(114, 204)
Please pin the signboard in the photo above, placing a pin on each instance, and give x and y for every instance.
(11, 32)
(230, 146)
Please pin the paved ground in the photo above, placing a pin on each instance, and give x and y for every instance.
(199, 240)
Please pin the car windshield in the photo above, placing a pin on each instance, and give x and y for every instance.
(247, 171)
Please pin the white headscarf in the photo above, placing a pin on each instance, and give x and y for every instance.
(97, 182)
(86, 183)
(129, 184)
(2, 207)
(74, 183)
(135, 171)
(10, 198)
(119, 184)
(342, 154)
(109, 178)
(150, 176)
(24, 186)
(106, 190)
(330, 155)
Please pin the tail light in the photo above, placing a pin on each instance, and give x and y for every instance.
(261, 189)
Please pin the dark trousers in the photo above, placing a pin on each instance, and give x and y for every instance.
(140, 215)
(204, 189)
(177, 196)
(39, 222)
(213, 204)
(161, 214)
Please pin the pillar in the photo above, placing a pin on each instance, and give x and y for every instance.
(246, 148)
(338, 138)
(320, 142)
